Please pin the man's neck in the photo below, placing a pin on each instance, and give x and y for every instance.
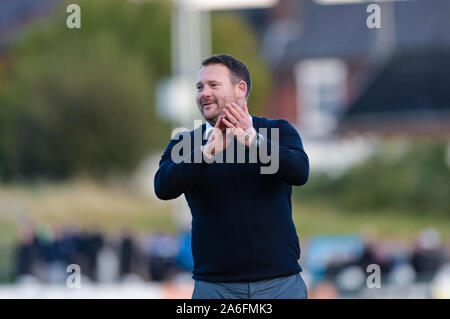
(212, 122)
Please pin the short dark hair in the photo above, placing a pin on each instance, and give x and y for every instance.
(237, 68)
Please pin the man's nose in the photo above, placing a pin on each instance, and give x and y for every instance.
(206, 92)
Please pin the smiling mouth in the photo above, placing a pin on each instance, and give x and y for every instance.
(207, 104)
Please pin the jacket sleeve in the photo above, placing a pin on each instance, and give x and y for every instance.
(293, 165)
(175, 178)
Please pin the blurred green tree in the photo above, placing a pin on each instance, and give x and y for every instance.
(82, 100)
(416, 180)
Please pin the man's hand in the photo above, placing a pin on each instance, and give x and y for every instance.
(240, 123)
(218, 140)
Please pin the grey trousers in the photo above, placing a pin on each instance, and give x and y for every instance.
(288, 287)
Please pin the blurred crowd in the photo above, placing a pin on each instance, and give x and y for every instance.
(45, 255)
(334, 265)
(344, 264)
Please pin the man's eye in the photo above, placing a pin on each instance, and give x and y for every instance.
(214, 84)
(199, 87)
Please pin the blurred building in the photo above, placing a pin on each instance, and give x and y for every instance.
(333, 74)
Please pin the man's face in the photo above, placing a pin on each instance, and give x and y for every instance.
(215, 89)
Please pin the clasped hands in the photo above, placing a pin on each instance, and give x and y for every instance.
(235, 122)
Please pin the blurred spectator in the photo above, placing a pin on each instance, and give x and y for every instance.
(184, 258)
(126, 254)
(163, 252)
(25, 251)
(427, 255)
(94, 243)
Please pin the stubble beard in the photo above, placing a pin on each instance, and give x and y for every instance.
(213, 119)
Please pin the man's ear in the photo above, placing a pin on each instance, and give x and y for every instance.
(241, 89)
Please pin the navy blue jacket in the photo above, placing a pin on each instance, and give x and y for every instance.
(242, 227)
